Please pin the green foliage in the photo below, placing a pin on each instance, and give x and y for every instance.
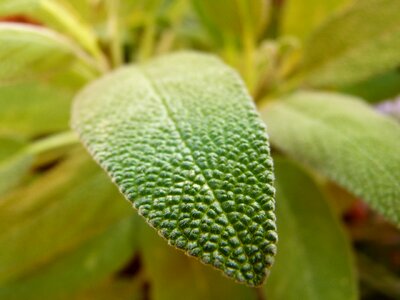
(30, 52)
(307, 228)
(201, 178)
(67, 249)
(181, 138)
(345, 50)
(301, 17)
(344, 139)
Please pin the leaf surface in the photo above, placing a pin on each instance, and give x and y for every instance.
(344, 139)
(33, 109)
(32, 52)
(301, 17)
(190, 280)
(90, 262)
(314, 260)
(182, 140)
(55, 215)
(360, 42)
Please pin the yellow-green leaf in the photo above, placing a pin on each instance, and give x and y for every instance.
(344, 139)
(31, 52)
(360, 42)
(301, 17)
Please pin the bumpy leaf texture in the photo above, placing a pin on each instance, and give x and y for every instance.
(182, 140)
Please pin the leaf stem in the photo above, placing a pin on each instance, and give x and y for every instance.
(53, 142)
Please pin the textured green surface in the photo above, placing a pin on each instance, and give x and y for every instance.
(362, 41)
(182, 140)
(29, 52)
(54, 215)
(190, 280)
(314, 260)
(344, 139)
(301, 17)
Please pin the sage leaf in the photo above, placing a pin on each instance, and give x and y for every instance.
(54, 215)
(31, 52)
(190, 280)
(221, 18)
(301, 17)
(183, 142)
(14, 163)
(31, 109)
(358, 43)
(90, 262)
(309, 272)
(346, 140)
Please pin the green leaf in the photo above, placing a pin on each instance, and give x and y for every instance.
(301, 17)
(32, 109)
(358, 43)
(92, 261)
(182, 140)
(54, 215)
(345, 140)
(189, 280)
(377, 88)
(31, 52)
(229, 19)
(314, 260)
(13, 163)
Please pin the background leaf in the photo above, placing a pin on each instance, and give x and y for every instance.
(314, 258)
(182, 140)
(43, 217)
(358, 43)
(32, 52)
(301, 17)
(33, 109)
(345, 140)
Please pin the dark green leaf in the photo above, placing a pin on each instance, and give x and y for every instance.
(182, 140)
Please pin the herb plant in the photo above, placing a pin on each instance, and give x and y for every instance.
(201, 113)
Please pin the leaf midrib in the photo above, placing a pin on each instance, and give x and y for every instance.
(158, 94)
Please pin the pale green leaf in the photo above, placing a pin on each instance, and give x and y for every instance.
(32, 109)
(77, 268)
(55, 214)
(189, 280)
(314, 260)
(358, 43)
(344, 139)
(182, 140)
(33, 52)
(301, 17)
